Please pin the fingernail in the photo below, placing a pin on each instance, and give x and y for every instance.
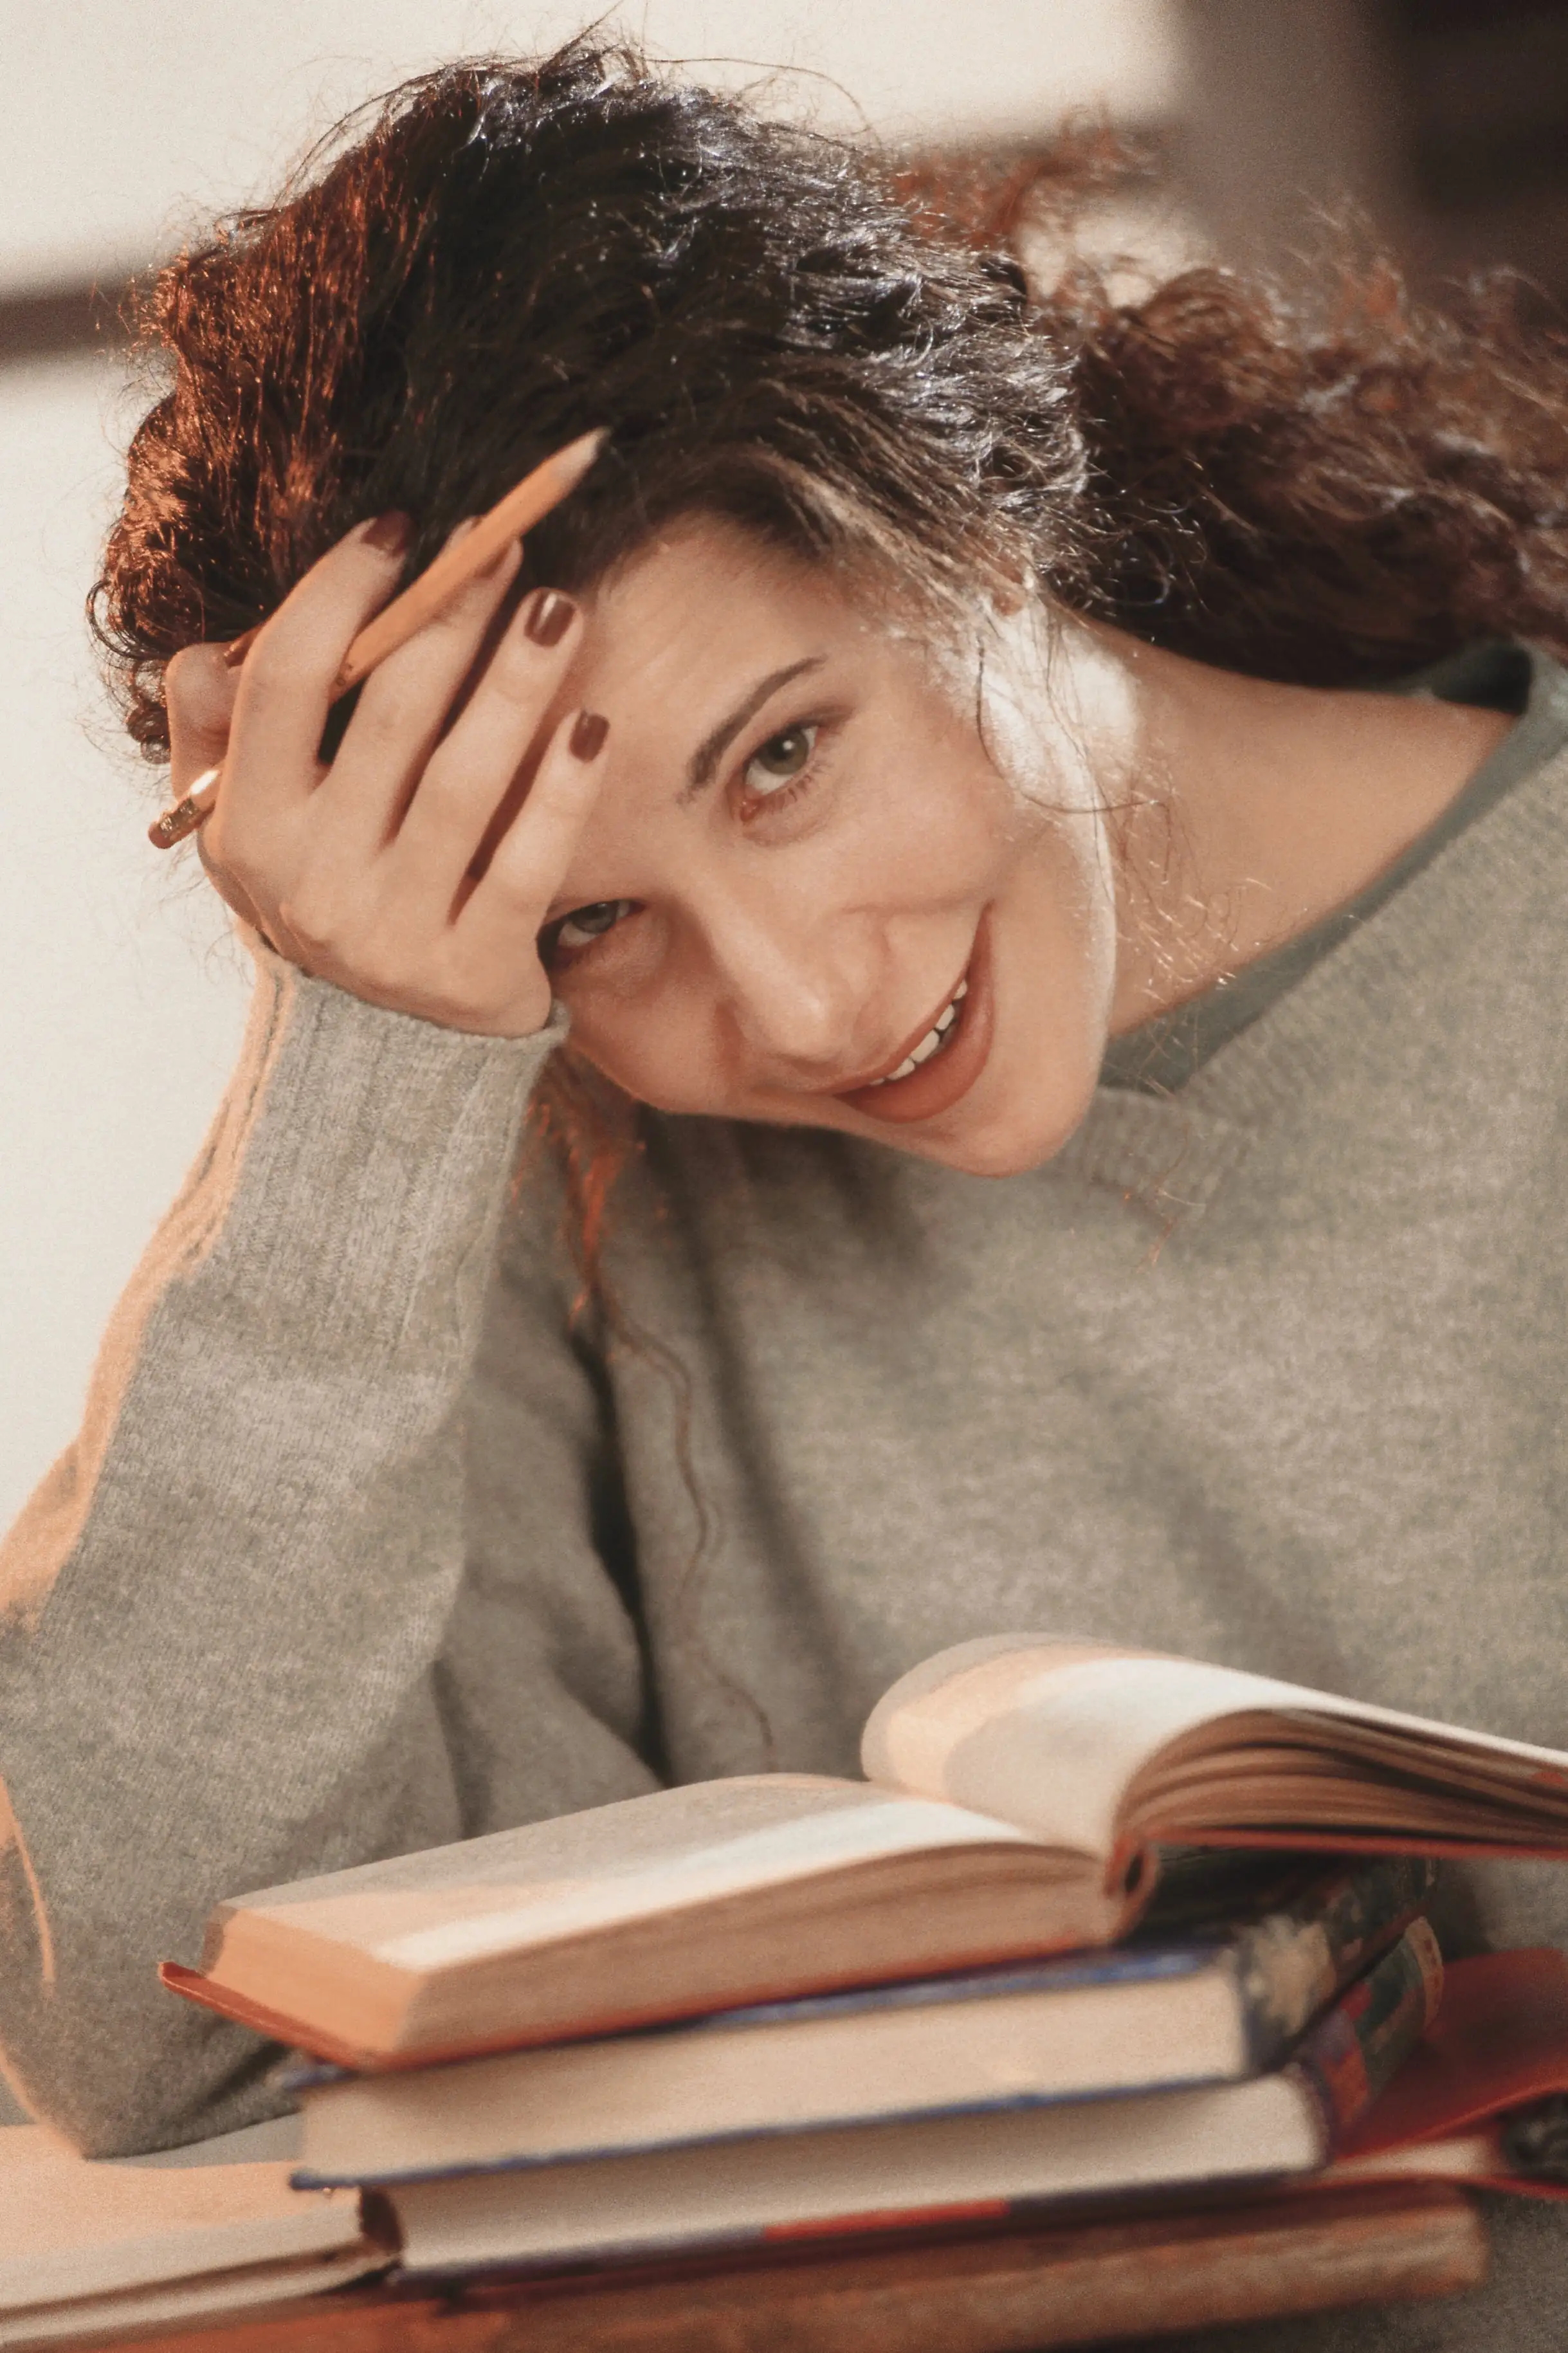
(588, 735)
(548, 618)
(235, 654)
(389, 534)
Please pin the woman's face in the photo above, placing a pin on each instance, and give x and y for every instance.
(806, 895)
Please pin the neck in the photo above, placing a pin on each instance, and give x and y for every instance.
(1257, 810)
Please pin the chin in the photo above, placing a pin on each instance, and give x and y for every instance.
(998, 1156)
(1012, 1144)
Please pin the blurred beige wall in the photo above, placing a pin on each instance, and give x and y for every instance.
(122, 123)
(121, 117)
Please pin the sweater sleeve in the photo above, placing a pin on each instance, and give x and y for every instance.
(239, 1640)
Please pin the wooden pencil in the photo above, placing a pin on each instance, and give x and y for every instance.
(526, 504)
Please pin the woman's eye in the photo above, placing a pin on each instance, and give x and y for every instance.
(780, 760)
(583, 926)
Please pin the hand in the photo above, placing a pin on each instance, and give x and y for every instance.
(417, 870)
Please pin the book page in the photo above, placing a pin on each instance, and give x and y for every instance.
(71, 2226)
(1052, 1735)
(1051, 1731)
(177, 2301)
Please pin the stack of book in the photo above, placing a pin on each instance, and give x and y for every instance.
(1167, 2064)
(1062, 1950)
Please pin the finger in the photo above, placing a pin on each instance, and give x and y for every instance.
(403, 707)
(232, 892)
(474, 785)
(529, 863)
(286, 682)
(199, 690)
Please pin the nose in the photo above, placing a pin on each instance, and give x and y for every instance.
(793, 991)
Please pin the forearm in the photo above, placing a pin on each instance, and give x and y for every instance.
(224, 1603)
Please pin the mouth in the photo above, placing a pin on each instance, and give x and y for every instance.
(939, 1066)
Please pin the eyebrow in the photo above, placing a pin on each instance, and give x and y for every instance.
(713, 746)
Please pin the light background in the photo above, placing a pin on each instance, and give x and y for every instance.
(123, 125)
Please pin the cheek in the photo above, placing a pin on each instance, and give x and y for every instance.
(644, 1020)
(658, 1049)
(930, 833)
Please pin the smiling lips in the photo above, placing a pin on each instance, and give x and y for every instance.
(944, 1059)
(935, 1039)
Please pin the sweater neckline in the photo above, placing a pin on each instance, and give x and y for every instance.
(1168, 1151)
(1161, 1056)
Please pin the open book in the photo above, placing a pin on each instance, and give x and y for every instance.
(89, 2246)
(1019, 1791)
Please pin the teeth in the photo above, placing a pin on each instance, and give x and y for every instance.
(932, 1043)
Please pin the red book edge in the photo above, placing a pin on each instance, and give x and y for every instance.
(1498, 2042)
(270, 2022)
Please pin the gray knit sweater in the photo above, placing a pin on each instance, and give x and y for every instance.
(366, 1547)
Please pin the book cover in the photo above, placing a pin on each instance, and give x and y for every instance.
(1484, 2096)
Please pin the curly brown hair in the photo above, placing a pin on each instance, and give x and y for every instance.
(791, 331)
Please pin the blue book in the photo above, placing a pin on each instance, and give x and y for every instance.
(1175, 2007)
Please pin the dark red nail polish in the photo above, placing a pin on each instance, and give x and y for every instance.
(588, 735)
(549, 618)
(235, 654)
(389, 534)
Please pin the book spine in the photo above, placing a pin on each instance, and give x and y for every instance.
(1299, 1957)
(1351, 2055)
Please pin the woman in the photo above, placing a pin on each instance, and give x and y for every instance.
(945, 740)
